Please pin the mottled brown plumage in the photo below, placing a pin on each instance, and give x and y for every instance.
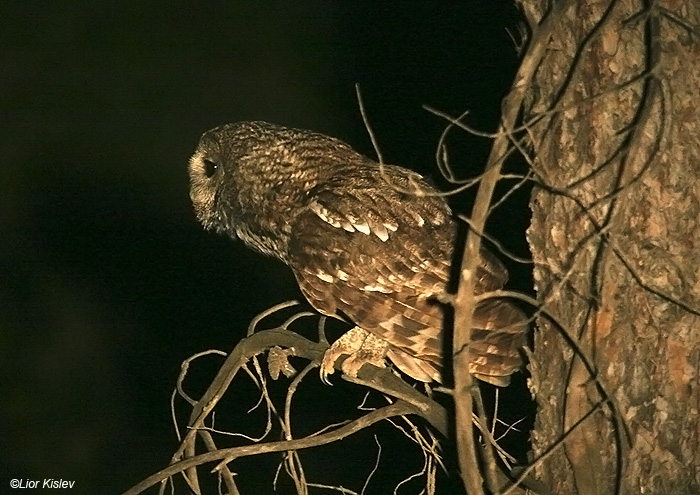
(371, 242)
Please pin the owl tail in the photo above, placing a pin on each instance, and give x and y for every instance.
(497, 339)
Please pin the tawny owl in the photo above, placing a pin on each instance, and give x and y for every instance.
(371, 243)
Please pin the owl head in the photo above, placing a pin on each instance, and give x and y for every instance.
(250, 179)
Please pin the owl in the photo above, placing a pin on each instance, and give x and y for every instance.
(367, 242)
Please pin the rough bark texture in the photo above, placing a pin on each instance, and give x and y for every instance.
(615, 237)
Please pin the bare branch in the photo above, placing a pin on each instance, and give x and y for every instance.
(399, 408)
(464, 301)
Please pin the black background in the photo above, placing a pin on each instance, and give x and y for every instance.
(108, 282)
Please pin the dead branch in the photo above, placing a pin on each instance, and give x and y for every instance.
(185, 458)
(399, 408)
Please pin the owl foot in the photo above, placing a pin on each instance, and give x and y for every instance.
(360, 346)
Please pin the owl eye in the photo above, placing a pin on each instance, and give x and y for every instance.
(210, 168)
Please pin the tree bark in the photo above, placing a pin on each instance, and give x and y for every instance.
(613, 119)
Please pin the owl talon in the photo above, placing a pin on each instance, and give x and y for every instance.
(328, 366)
(360, 346)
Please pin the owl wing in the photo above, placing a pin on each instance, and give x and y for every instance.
(381, 258)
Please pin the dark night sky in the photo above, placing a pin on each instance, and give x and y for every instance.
(108, 282)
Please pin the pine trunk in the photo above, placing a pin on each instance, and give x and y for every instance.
(614, 121)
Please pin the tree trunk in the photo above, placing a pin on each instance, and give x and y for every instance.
(614, 123)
